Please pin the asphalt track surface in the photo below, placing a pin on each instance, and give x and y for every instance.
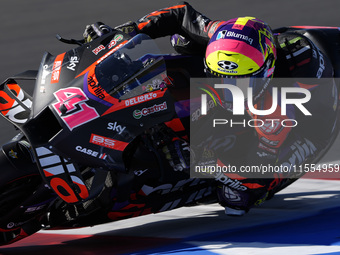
(304, 219)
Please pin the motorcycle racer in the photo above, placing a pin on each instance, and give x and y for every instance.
(250, 45)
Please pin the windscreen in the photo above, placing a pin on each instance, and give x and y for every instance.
(115, 71)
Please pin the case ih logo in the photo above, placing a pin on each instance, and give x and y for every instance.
(108, 142)
(137, 114)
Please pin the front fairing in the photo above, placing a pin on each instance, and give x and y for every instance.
(77, 118)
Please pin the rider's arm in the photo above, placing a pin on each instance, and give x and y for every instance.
(180, 19)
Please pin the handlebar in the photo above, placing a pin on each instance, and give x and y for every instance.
(70, 41)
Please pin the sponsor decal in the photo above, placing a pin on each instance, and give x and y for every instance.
(107, 142)
(226, 71)
(116, 39)
(54, 169)
(98, 49)
(15, 224)
(140, 99)
(137, 114)
(9, 106)
(225, 33)
(134, 101)
(56, 68)
(228, 65)
(90, 152)
(74, 60)
(94, 91)
(115, 127)
(154, 85)
(35, 208)
(96, 88)
(232, 183)
(221, 34)
(231, 195)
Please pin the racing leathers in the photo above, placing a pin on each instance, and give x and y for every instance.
(277, 142)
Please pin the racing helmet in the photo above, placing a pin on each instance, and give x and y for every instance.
(242, 48)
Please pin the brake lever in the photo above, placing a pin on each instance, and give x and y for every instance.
(70, 41)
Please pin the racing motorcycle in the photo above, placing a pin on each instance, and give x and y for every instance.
(91, 137)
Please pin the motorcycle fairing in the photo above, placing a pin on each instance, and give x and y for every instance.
(16, 104)
(65, 106)
(62, 176)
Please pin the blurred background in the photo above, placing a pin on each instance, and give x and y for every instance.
(28, 28)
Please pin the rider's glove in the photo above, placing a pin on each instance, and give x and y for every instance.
(129, 28)
(180, 44)
(95, 30)
(185, 46)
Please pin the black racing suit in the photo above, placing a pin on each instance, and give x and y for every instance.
(297, 56)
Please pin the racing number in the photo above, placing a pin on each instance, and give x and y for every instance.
(75, 111)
